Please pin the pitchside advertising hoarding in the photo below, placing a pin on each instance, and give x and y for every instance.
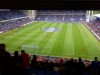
(1, 32)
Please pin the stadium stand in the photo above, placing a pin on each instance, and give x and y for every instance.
(5, 15)
(95, 27)
(45, 65)
(61, 16)
(12, 19)
(9, 25)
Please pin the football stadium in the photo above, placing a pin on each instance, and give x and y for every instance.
(52, 34)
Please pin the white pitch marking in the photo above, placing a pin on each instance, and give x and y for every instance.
(9, 48)
(43, 51)
(80, 55)
(50, 49)
(69, 54)
(57, 53)
(92, 39)
(13, 48)
(73, 48)
(50, 29)
(60, 56)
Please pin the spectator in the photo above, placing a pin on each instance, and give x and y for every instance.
(33, 62)
(16, 63)
(5, 60)
(56, 68)
(9, 25)
(75, 65)
(94, 66)
(29, 59)
(25, 61)
(38, 65)
(69, 67)
(80, 66)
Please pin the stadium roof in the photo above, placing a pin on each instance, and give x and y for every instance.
(97, 15)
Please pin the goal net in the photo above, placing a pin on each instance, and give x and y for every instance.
(30, 49)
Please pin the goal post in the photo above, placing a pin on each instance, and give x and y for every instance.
(30, 49)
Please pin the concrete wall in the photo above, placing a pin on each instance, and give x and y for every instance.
(87, 16)
(34, 13)
(26, 12)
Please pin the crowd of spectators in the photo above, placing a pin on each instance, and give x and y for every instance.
(61, 16)
(11, 14)
(9, 25)
(13, 65)
(11, 19)
(24, 64)
(95, 26)
(61, 12)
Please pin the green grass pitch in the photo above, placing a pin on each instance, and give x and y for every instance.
(69, 38)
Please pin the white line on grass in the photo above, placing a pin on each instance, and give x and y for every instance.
(50, 49)
(56, 56)
(11, 48)
(62, 56)
(43, 51)
(16, 49)
(47, 47)
(86, 55)
(56, 53)
(69, 54)
(73, 48)
(80, 55)
(92, 39)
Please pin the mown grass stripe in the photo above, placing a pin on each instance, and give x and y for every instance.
(60, 37)
(51, 43)
(32, 42)
(10, 42)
